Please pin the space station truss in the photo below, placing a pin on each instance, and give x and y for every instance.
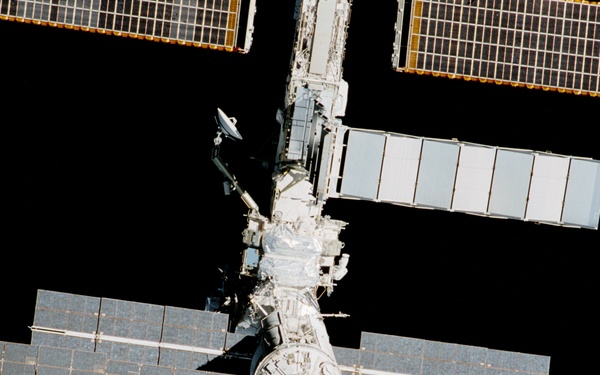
(222, 24)
(76, 334)
(547, 44)
(464, 177)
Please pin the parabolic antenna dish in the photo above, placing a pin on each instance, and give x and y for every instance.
(227, 125)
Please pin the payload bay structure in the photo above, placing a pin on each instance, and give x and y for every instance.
(294, 253)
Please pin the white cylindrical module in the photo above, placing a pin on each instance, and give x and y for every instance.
(297, 359)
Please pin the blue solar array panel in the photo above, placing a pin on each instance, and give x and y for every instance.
(126, 339)
(406, 355)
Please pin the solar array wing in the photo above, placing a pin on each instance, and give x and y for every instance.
(465, 177)
(90, 335)
(387, 355)
(547, 44)
(107, 336)
(201, 23)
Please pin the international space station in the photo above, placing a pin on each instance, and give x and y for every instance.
(266, 317)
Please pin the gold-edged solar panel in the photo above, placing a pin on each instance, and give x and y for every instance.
(202, 23)
(547, 44)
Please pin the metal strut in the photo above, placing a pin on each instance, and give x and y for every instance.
(231, 183)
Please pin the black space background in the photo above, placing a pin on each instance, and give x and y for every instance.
(109, 190)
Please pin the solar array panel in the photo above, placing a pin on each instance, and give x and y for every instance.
(203, 23)
(108, 336)
(22, 359)
(75, 334)
(547, 44)
(464, 177)
(387, 354)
